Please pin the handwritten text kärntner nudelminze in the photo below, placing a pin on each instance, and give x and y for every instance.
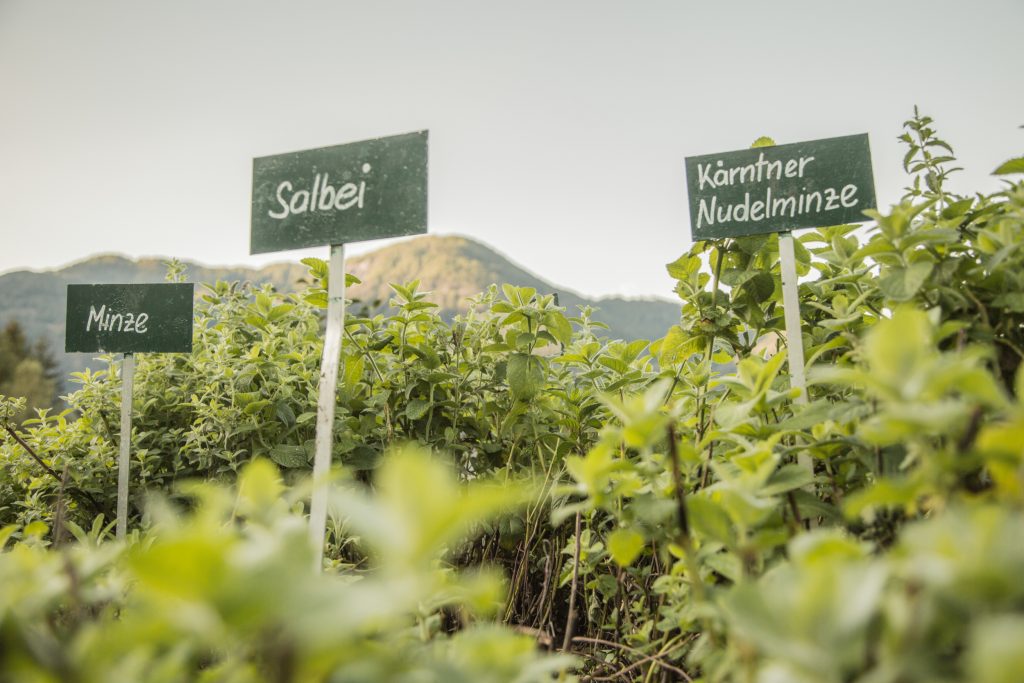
(759, 204)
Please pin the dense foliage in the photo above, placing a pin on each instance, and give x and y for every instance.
(27, 370)
(454, 268)
(663, 510)
(223, 591)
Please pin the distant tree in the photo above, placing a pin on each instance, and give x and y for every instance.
(27, 370)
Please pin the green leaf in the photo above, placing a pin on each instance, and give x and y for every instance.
(316, 298)
(559, 327)
(289, 455)
(818, 412)
(751, 244)
(1010, 301)
(710, 520)
(902, 493)
(525, 375)
(678, 345)
(895, 347)
(279, 311)
(734, 277)
(511, 292)
(264, 303)
(634, 349)
(317, 267)
(352, 373)
(362, 458)
(259, 486)
(760, 287)
(37, 528)
(958, 208)
(256, 406)
(624, 545)
(1011, 166)
(901, 284)
(787, 478)
(683, 267)
(417, 408)
(284, 413)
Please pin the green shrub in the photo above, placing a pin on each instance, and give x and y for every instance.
(686, 518)
(226, 592)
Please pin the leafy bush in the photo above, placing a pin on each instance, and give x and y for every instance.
(686, 518)
(709, 545)
(225, 593)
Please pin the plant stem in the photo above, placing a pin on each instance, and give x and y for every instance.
(570, 621)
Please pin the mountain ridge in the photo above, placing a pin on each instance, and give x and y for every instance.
(451, 267)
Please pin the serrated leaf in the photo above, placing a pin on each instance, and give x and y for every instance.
(510, 292)
(289, 455)
(279, 311)
(677, 345)
(264, 303)
(318, 267)
(317, 298)
(634, 349)
(559, 327)
(352, 373)
(683, 267)
(615, 364)
(525, 375)
(285, 413)
(244, 398)
(417, 408)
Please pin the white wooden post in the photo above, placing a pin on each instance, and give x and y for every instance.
(326, 401)
(791, 308)
(123, 461)
(794, 337)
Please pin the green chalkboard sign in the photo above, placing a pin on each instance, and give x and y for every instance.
(153, 318)
(334, 195)
(780, 188)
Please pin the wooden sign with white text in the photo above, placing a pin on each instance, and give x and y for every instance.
(336, 195)
(149, 318)
(780, 188)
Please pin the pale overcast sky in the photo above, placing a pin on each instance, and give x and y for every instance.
(557, 129)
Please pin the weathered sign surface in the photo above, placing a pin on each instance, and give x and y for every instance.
(150, 318)
(335, 195)
(780, 188)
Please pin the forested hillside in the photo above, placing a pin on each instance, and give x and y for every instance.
(452, 268)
